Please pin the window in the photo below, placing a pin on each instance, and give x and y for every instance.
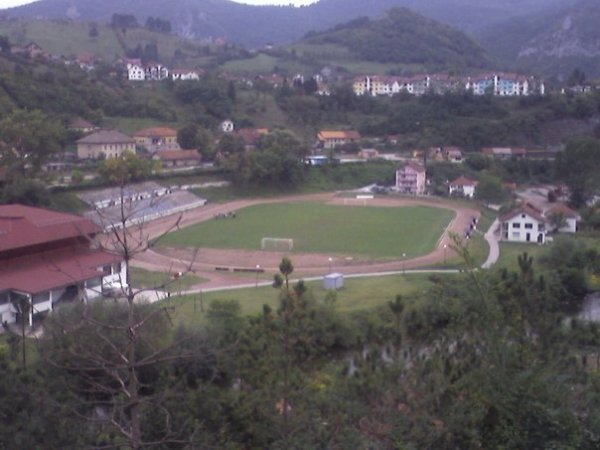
(516, 234)
(516, 225)
(529, 226)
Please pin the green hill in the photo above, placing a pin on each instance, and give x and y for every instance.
(402, 36)
(70, 38)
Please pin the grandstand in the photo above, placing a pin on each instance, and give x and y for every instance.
(142, 202)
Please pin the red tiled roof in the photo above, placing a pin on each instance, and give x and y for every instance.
(463, 181)
(44, 271)
(106, 137)
(563, 209)
(414, 166)
(156, 132)
(24, 226)
(251, 136)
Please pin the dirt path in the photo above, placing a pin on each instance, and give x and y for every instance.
(205, 261)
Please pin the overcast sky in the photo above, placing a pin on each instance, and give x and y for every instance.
(9, 3)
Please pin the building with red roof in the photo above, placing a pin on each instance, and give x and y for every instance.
(524, 224)
(47, 258)
(157, 139)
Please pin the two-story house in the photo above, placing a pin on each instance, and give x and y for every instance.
(104, 144)
(524, 224)
(329, 139)
(411, 179)
(47, 258)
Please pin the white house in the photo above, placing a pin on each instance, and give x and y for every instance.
(462, 186)
(135, 72)
(562, 218)
(524, 224)
(156, 72)
(185, 74)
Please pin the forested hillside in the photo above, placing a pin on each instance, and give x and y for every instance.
(403, 36)
(554, 43)
(257, 26)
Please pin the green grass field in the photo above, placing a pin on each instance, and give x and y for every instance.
(317, 228)
(357, 294)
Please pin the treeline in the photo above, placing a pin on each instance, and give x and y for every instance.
(479, 360)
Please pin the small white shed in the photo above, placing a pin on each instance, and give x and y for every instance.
(333, 281)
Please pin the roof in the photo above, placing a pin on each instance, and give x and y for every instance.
(156, 132)
(51, 270)
(561, 208)
(106, 137)
(251, 136)
(78, 122)
(178, 155)
(25, 226)
(463, 181)
(523, 209)
(338, 134)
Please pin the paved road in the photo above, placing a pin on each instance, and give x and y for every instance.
(492, 237)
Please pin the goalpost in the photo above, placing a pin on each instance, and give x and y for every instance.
(277, 244)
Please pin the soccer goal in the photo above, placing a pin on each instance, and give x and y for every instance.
(277, 244)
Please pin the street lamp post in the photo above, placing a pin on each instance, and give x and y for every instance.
(445, 248)
(257, 270)
(403, 263)
(330, 259)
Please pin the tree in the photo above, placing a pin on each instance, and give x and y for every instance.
(125, 169)
(192, 136)
(577, 168)
(29, 139)
(490, 189)
(286, 268)
(113, 352)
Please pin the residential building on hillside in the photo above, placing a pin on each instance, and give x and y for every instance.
(157, 139)
(155, 72)
(329, 139)
(81, 126)
(104, 144)
(46, 258)
(462, 186)
(524, 224)
(411, 179)
(563, 219)
(135, 72)
(186, 74)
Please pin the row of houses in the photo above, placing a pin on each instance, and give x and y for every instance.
(153, 71)
(499, 84)
(158, 142)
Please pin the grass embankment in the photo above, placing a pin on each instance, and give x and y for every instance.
(357, 294)
(146, 279)
(355, 230)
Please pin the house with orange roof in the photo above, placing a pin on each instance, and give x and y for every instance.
(157, 139)
(178, 158)
(329, 139)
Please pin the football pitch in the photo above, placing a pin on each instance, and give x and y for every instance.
(367, 231)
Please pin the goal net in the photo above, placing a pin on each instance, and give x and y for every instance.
(276, 244)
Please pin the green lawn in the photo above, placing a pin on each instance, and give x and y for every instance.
(357, 294)
(315, 227)
(141, 278)
(510, 251)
